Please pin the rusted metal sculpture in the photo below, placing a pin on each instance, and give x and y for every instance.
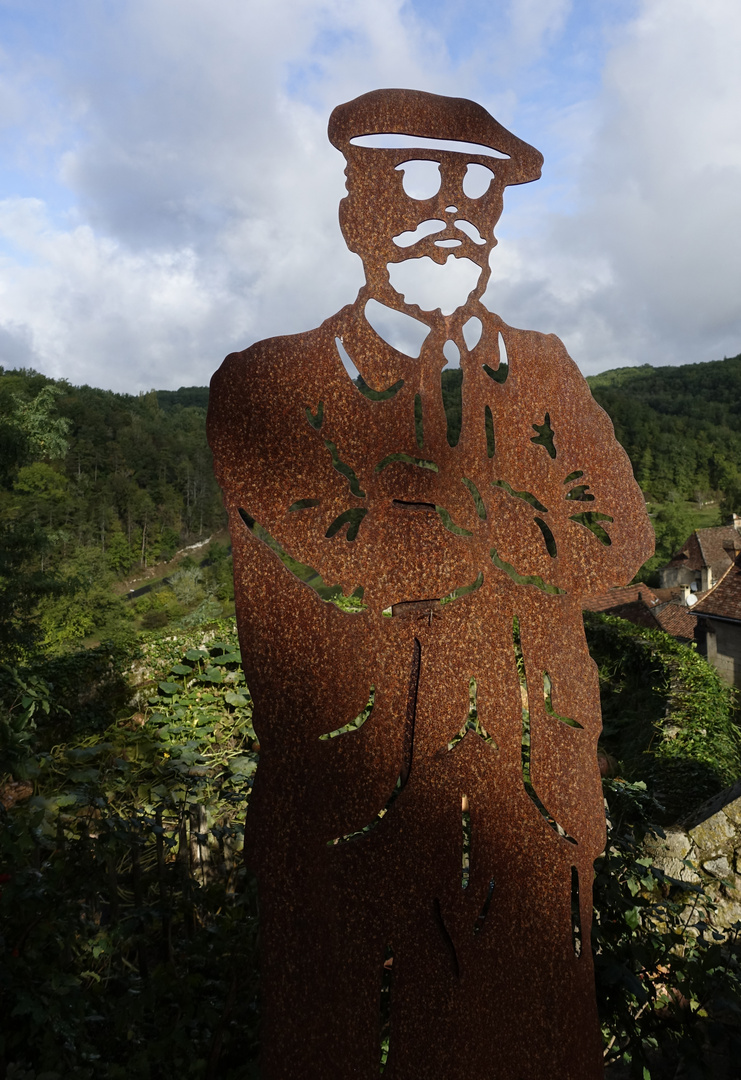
(427, 806)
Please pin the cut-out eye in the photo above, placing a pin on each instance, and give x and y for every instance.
(421, 179)
(477, 180)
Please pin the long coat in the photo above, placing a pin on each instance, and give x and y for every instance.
(410, 621)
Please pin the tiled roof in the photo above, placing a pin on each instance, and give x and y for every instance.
(640, 605)
(707, 547)
(623, 594)
(725, 599)
(677, 620)
(631, 602)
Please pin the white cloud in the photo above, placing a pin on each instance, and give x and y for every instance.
(190, 206)
(648, 267)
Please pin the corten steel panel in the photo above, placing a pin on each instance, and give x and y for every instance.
(357, 839)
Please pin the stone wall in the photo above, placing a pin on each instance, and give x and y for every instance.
(720, 643)
(710, 840)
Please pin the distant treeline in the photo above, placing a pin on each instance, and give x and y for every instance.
(96, 486)
(93, 486)
(681, 426)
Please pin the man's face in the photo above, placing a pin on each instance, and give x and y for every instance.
(383, 223)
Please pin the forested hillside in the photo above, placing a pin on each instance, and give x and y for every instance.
(94, 486)
(97, 488)
(681, 426)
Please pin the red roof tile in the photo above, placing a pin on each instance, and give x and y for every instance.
(725, 599)
(708, 547)
(640, 605)
(677, 620)
(617, 597)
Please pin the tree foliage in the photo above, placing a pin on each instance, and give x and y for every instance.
(681, 426)
(93, 486)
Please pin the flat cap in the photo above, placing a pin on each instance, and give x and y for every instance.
(432, 116)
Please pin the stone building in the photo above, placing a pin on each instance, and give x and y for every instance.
(704, 558)
(718, 631)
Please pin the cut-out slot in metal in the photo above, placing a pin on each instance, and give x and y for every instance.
(401, 504)
(526, 740)
(477, 180)
(400, 330)
(550, 540)
(451, 387)
(490, 438)
(317, 420)
(357, 723)
(449, 524)
(464, 590)
(580, 493)
(545, 435)
(478, 926)
(524, 579)
(549, 705)
(466, 849)
(344, 470)
(387, 978)
(307, 575)
(407, 752)
(473, 328)
(352, 518)
(576, 938)
(470, 230)
(303, 504)
(526, 496)
(419, 428)
(362, 385)
(590, 519)
(421, 178)
(406, 459)
(476, 496)
(359, 833)
(500, 373)
(425, 228)
(472, 721)
(447, 939)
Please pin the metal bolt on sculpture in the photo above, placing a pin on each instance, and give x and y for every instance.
(411, 545)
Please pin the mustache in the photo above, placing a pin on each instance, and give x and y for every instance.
(435, 225)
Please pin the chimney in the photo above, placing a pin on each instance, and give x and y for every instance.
(706, 579)
(685, 594)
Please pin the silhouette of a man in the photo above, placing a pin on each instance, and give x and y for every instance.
(409, 584)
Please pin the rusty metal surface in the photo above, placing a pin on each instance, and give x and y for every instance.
(427, 806)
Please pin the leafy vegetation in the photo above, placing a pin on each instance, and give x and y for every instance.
(668, 985)
(668, 716)
(681, 426)
(94, 486)
(128, 921)
(129, 924)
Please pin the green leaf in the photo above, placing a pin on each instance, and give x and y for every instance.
(196, 654)
(236, 699)
(169, 687)
(633, 917)
(181, 669)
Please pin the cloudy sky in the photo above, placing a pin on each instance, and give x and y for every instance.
(168, 193)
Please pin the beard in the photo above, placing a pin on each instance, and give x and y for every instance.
(432, 285)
